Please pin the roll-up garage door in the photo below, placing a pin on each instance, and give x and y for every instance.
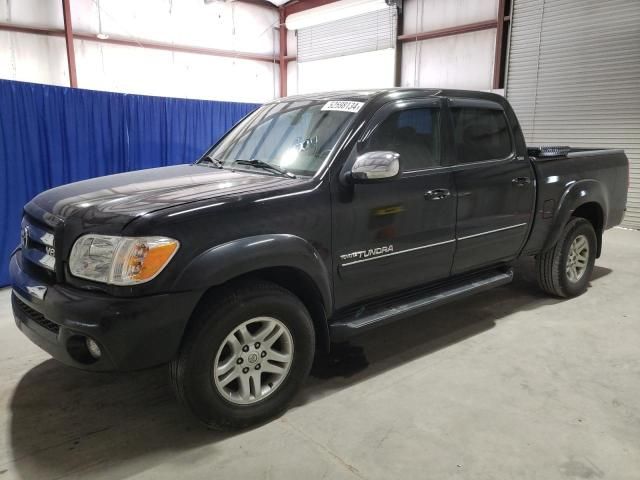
(358, 34)
(345, 45)
(573, 77)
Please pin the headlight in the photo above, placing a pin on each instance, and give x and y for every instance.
(120, 260)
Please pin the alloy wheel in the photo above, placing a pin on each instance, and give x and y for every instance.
(578, 258)
(253, 360)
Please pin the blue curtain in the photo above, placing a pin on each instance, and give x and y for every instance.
(55, 135)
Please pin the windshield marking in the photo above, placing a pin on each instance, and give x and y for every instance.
(343, 106)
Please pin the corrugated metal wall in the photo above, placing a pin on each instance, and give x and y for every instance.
(574, 77)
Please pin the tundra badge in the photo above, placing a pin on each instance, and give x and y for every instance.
(369, 253)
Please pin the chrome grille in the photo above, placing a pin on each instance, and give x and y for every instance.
(38, 245)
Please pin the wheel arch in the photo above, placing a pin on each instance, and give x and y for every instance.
(586, 199)
(286, 260)
(303, 287)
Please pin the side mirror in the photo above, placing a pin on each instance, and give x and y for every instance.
(375, 167)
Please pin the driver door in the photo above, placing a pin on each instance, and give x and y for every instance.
(397, 234)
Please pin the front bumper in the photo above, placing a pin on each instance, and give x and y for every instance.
(132, 333)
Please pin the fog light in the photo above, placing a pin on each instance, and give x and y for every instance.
(94, 348)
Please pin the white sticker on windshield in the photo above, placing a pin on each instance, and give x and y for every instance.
(343, 106)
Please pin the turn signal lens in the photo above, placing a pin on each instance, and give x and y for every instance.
(146, 259)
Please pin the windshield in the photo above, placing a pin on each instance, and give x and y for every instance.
(294, 136)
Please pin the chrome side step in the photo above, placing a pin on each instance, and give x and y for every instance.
(369, 316)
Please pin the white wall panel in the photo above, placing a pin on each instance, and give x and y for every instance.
(222, 25)
(33, 58)
(174, 74)
(219, 25)
(292, 78)
(427, 15)
(360, 71)
(458, 61)
(292, 43)
(41, 13)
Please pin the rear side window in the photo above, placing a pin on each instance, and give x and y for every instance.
(414, 134)
(480, 134)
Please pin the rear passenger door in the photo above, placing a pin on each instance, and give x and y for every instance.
(495, 188)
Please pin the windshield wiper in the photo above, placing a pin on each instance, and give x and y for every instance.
(266, 166)
(213, 161)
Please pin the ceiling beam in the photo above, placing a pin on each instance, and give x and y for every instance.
(445, 32)
(172, 47)
(10, 27)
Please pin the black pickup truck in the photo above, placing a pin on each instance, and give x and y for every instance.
(314, 219)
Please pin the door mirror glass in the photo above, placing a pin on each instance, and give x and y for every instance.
(375, 166)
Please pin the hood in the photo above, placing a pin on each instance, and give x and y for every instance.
(137, 193)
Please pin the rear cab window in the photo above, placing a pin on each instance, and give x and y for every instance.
(480, 132)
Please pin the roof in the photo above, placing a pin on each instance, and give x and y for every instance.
(386, 94)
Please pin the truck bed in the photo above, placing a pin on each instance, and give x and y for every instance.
(556, 174)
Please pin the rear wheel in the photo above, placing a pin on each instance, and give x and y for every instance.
(246, 354)
(565, 269)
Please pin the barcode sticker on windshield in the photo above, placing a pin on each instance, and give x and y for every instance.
(343, 106)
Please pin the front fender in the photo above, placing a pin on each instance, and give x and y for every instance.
(577, 194)
(224, 262)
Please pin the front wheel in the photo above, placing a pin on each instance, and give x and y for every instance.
(565, 269)
(247, 352)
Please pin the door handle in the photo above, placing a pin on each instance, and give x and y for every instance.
(521, 181)
(437, 194)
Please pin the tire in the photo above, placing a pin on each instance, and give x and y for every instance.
(196, 380)
(553, 266)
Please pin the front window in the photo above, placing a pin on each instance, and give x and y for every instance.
(294, 136)
(414, 134)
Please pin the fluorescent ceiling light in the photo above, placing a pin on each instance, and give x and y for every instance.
(332, 12)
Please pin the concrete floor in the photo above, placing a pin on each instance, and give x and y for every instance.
(509, 384)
